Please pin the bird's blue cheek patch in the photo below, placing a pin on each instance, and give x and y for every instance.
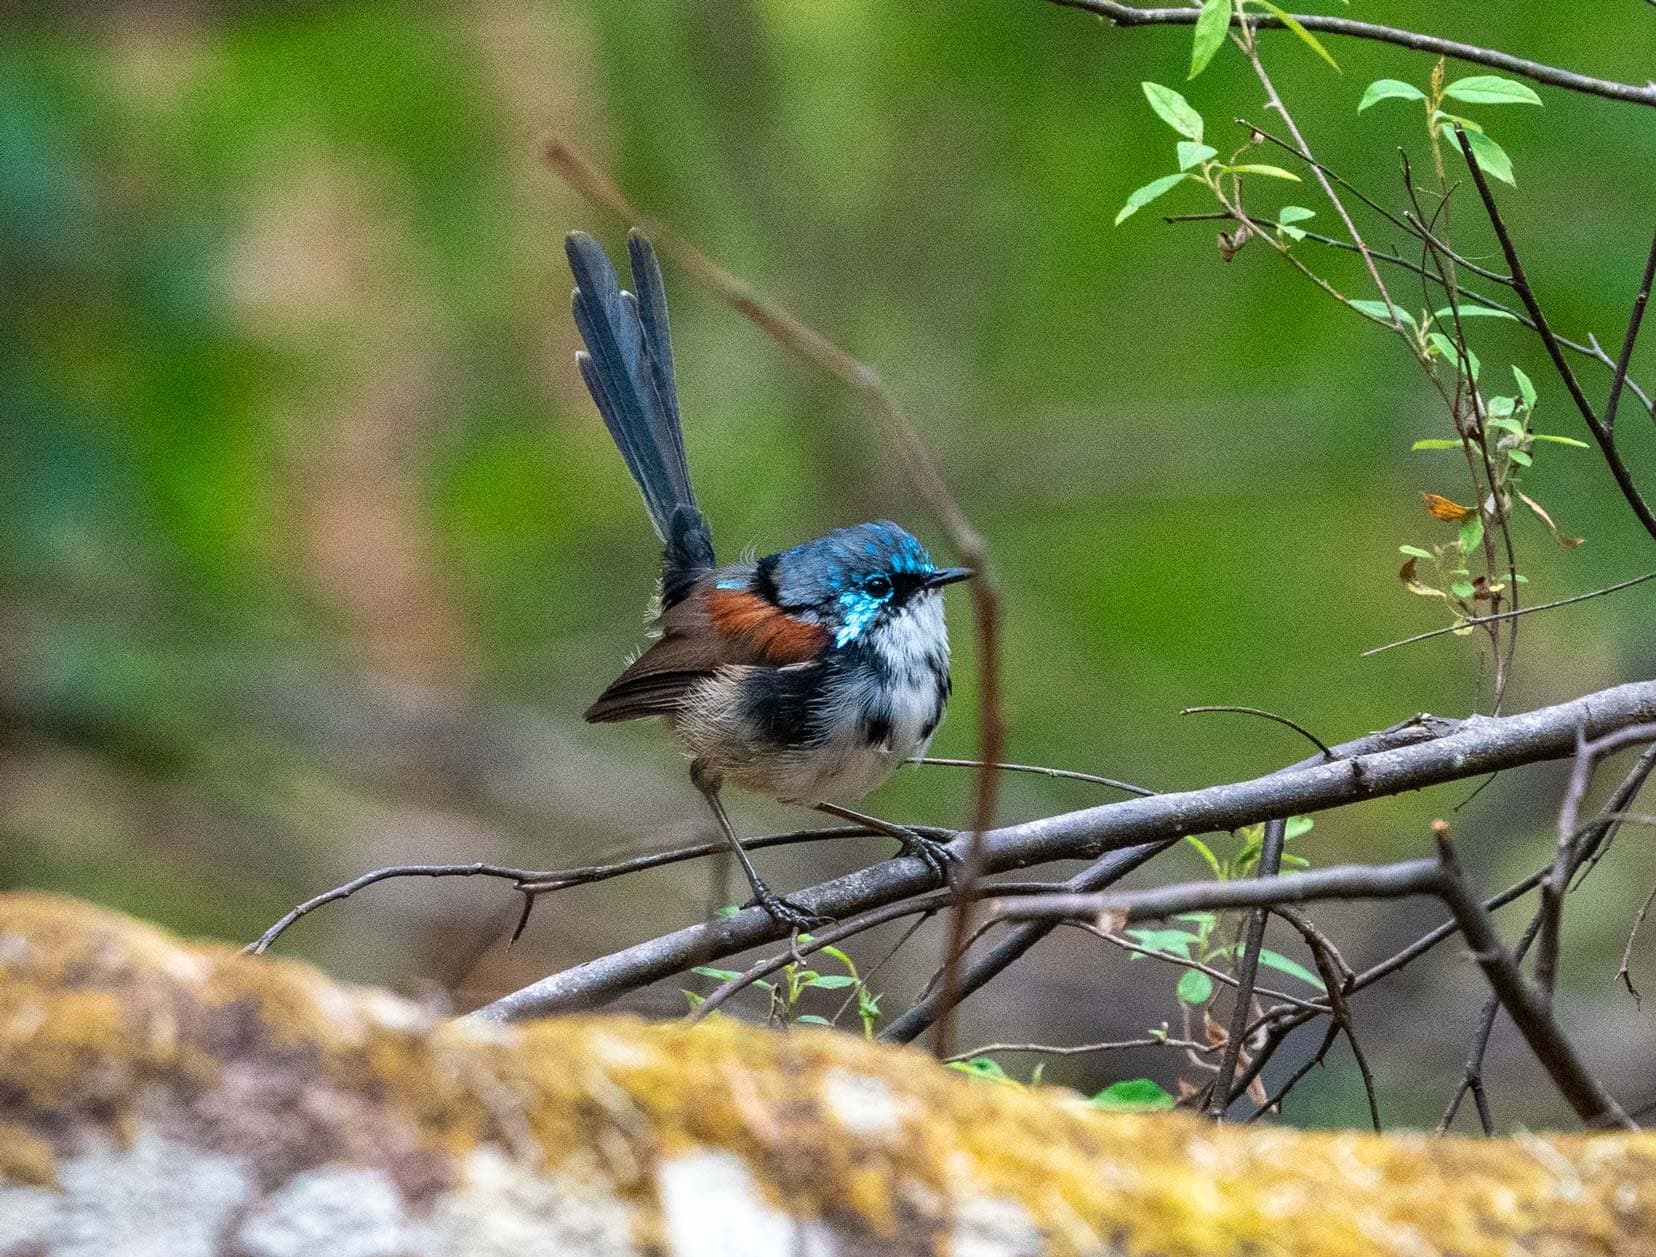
(860, 611)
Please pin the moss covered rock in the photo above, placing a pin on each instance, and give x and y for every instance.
(171, 1099)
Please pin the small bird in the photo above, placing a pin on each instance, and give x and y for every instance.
(808, 675)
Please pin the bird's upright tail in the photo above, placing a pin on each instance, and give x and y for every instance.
(628, 369)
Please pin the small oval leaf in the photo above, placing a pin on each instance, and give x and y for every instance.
(1212, 24)
(1491, 89)
(1194, 154)
(1174, 110)
(1389, 89)
(1149, 192)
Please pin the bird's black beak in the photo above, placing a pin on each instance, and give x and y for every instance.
(947, 576)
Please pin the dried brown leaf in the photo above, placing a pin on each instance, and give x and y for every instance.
(1446, 510)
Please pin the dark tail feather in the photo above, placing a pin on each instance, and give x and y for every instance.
(628, 369)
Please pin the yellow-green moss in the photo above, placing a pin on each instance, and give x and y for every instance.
(95, 1008)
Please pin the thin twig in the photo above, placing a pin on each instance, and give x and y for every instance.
(1624, 970)
(1633, 321)
(1520, 282)
(1510, 615)
(1274, 101)
(1588, 754)
(1247, 969)
(1084, 1049)
(1593, 350)
(1126, 15)
(1268, 715)
(1064, 774)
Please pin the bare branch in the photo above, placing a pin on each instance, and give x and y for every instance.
(1601, 432)
(1127, 15)
(1268, 715)
(1634, 320)
(1511, 615)
(1247, 969)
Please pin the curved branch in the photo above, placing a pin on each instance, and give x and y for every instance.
(1634, 94)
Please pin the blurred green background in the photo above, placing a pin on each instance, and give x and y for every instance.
(314, 549)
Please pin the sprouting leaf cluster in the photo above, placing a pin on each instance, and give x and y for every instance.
(1197, 160)
(1506, 431)
(789, 993)
(1474, 89)
(1214, 22)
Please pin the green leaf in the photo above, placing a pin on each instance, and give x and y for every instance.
(723, 975)
(1436, 443)
(1491, 89)
(1194, 154)
(1294, 24)
(1471, 536)
(1212, 24)
(1298, 827)
(1274, 172)
(1282, 964)
(1504, 423)
(1462, 589)
(983, 1067)
(832, 982)
(1490, 156)
(1195, 987)
(1560, 440)
(1471, 311)
(1450, 350)
(1501, 407)
(1206, 852)
(1294, 214)
(1416, 551)
(1174, 110)
(1377, 311)
(1519, 457)
(1469, 123)
(1168, 942)
(840, 956)
(1526, 390)
(729, 910)
(810, 1019)
(1149, 192)
(1290, 860)
(1134, 1095)
(1389, 89)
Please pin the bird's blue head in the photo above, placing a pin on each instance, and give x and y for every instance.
(855, 580)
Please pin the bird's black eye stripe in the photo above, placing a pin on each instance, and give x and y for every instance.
(877, 585)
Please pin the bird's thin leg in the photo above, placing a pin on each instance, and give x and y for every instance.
(780, 909)
(937, 855)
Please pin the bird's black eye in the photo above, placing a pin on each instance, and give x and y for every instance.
(877, 586)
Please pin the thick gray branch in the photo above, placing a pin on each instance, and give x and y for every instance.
(1448, 751)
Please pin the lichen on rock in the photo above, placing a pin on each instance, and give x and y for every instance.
(163, 1098)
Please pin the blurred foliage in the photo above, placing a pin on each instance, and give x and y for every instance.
(313, 548)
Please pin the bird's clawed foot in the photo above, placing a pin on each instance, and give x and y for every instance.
(937, 856)
(783, 912)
